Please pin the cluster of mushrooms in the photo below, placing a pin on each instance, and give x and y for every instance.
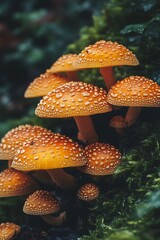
(36, 155)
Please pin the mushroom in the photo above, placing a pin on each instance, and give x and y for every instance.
(88, 192)
(51, 152)
(104, 55)
(65, 64)
(118, 123)
(78, 100)
(16, 183)
(15, 138)
(135, 92)
(102, 159)
(44, 203)
(9, 231)
(44, 84)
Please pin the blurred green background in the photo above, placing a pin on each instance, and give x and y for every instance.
(33, 34)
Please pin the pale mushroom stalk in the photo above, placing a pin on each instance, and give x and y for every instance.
(132, 115)
(87, 133)
(62, 179)
(108, 76)
(55, 221)
(73, 76)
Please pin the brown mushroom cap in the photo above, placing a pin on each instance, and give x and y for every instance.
(102, 159)
(8, 230)
(15, 138)
(49, 152)
(16, 183)
(118, 122)
(103, 54)
(64, 64)
(88, 192)
(135, 91)
(44, 84)
(41, 203)
(73, 99)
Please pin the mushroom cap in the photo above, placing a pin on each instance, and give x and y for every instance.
(104, 54)
(88, 192)
(41, 203)
(118, 122)
(8, 230)
(49, 152)
(102, 159)
(15, 138)
(73, 99)
(64, 63)
(16, 183)
(135, 91)
(44, 83)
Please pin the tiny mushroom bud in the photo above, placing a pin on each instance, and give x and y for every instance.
(65, 64)
(16, 183)
(51, 152)
(44, 83)
(118, 123)
(78, 100)
(15, 138)
(44, 203)
(88, 192)
(9, 231)
(104, 55)
(135, 92)
(102, 159)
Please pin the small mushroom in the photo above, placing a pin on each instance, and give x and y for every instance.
(9, 231)
(16, 183)
(44, 83)
(102, 159)
(65, 64)
(44, 203)
(78, 100)
(118, 123)
(104, 55)
(51, 152)
(88, 192)
(135, 92)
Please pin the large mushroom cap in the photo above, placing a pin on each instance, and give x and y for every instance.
(135, 91)
(41, 203)
(88, 192)
(15, 138)
(8, 230)
(102, 159)
(64, 64)
(16, 183)
(73, 99)
(103, 54)
(44, 83)
(49, 152)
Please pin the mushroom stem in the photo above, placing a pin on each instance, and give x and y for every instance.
(62, 179)
(132, 115)
(55, 221)
(108, 76)
(87, 133)
(73, 76)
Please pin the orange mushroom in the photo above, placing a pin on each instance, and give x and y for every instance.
(102, 159)
(16, 183)
(88, 192)
(135, 92)
(52, 152)
(9, 230)
(104, 55)
(65, 64)
(118, 123)
(78, 100)
(44, 84)
(44, 203)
